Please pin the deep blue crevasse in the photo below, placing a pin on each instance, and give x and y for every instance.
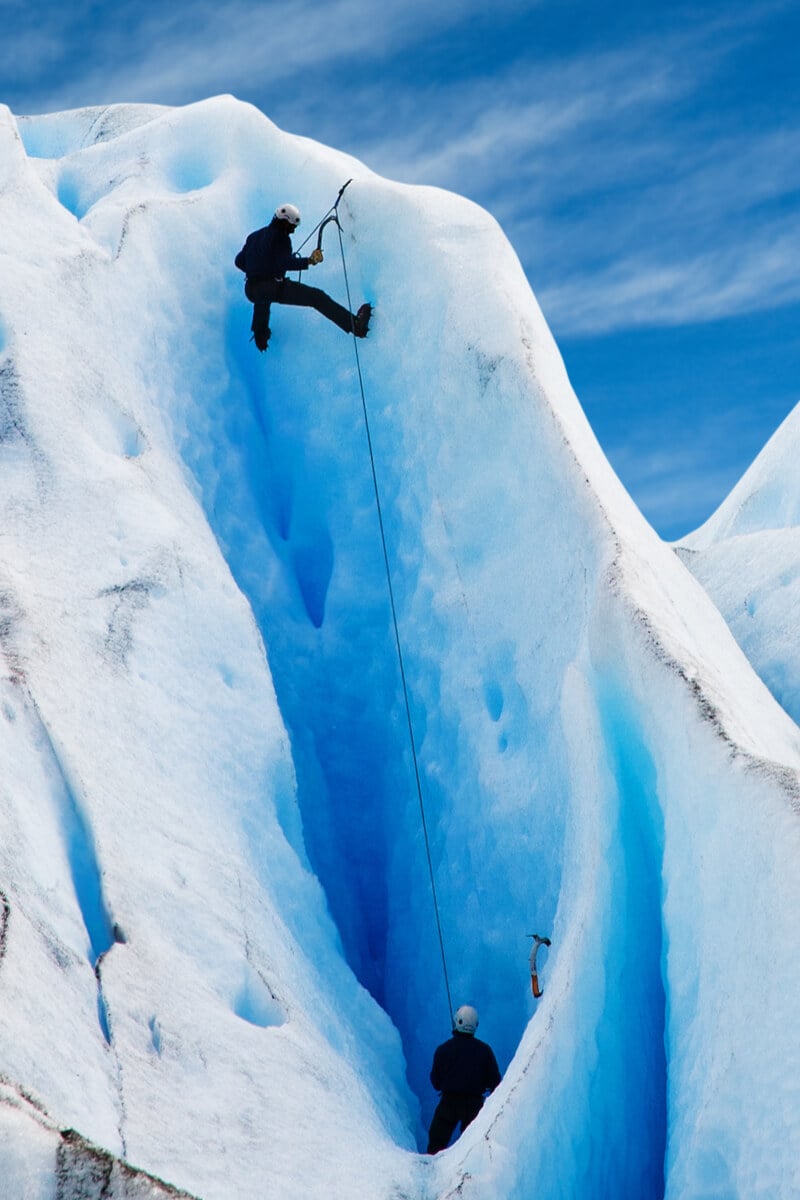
(629, 1086)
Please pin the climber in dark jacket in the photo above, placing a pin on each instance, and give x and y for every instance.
(265, 258)
(464, 1069)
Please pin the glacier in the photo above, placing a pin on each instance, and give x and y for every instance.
(219, 962)
(747, 556)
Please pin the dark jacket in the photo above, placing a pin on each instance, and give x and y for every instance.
(267, 253)
(465, 1064)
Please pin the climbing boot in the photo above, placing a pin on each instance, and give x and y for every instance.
(261, 337)
(260, 324)
(361, 323)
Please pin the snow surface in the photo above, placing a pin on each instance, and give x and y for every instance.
(219, 954)
(747, 556)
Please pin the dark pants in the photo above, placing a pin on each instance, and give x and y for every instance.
(452, 1108)
(264, 292)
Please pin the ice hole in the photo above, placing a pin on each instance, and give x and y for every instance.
(493, 694)
(70, 194)
(132, 441)
(313, 568)
(190, 171)
(254, 1003)
(155, 1034)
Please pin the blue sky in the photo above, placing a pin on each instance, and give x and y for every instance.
(644, 160)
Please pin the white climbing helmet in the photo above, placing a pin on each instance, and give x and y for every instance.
(465, 1020)
(288, 212)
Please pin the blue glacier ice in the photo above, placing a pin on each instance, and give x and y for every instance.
(195, 612)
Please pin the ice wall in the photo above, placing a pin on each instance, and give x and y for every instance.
(172, 983)
(201, 673)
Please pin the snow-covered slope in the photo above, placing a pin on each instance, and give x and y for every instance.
(747, 556)
(220, 954)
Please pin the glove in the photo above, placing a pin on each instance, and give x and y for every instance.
(315, 257)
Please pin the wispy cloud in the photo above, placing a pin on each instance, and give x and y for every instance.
(756, 274)
(631, 200)
(516, 120)
(192, 49)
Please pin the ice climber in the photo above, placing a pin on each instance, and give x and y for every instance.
(464, 1069)
(265, 258)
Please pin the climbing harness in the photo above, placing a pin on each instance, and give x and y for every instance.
(537, 942)
(332, 216)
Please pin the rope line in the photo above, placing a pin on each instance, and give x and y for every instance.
(400, 660)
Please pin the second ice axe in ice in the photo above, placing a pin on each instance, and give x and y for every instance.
(537, 942)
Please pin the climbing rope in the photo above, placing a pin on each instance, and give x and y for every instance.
(333, 215)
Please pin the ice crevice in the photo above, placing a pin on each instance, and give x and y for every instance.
(296, 522)
(630, 1080)
(102, 932)
(270, 482)
(81, 853)
(84, 932)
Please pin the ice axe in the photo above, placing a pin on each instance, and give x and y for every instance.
(333, 215)
(537, 942)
